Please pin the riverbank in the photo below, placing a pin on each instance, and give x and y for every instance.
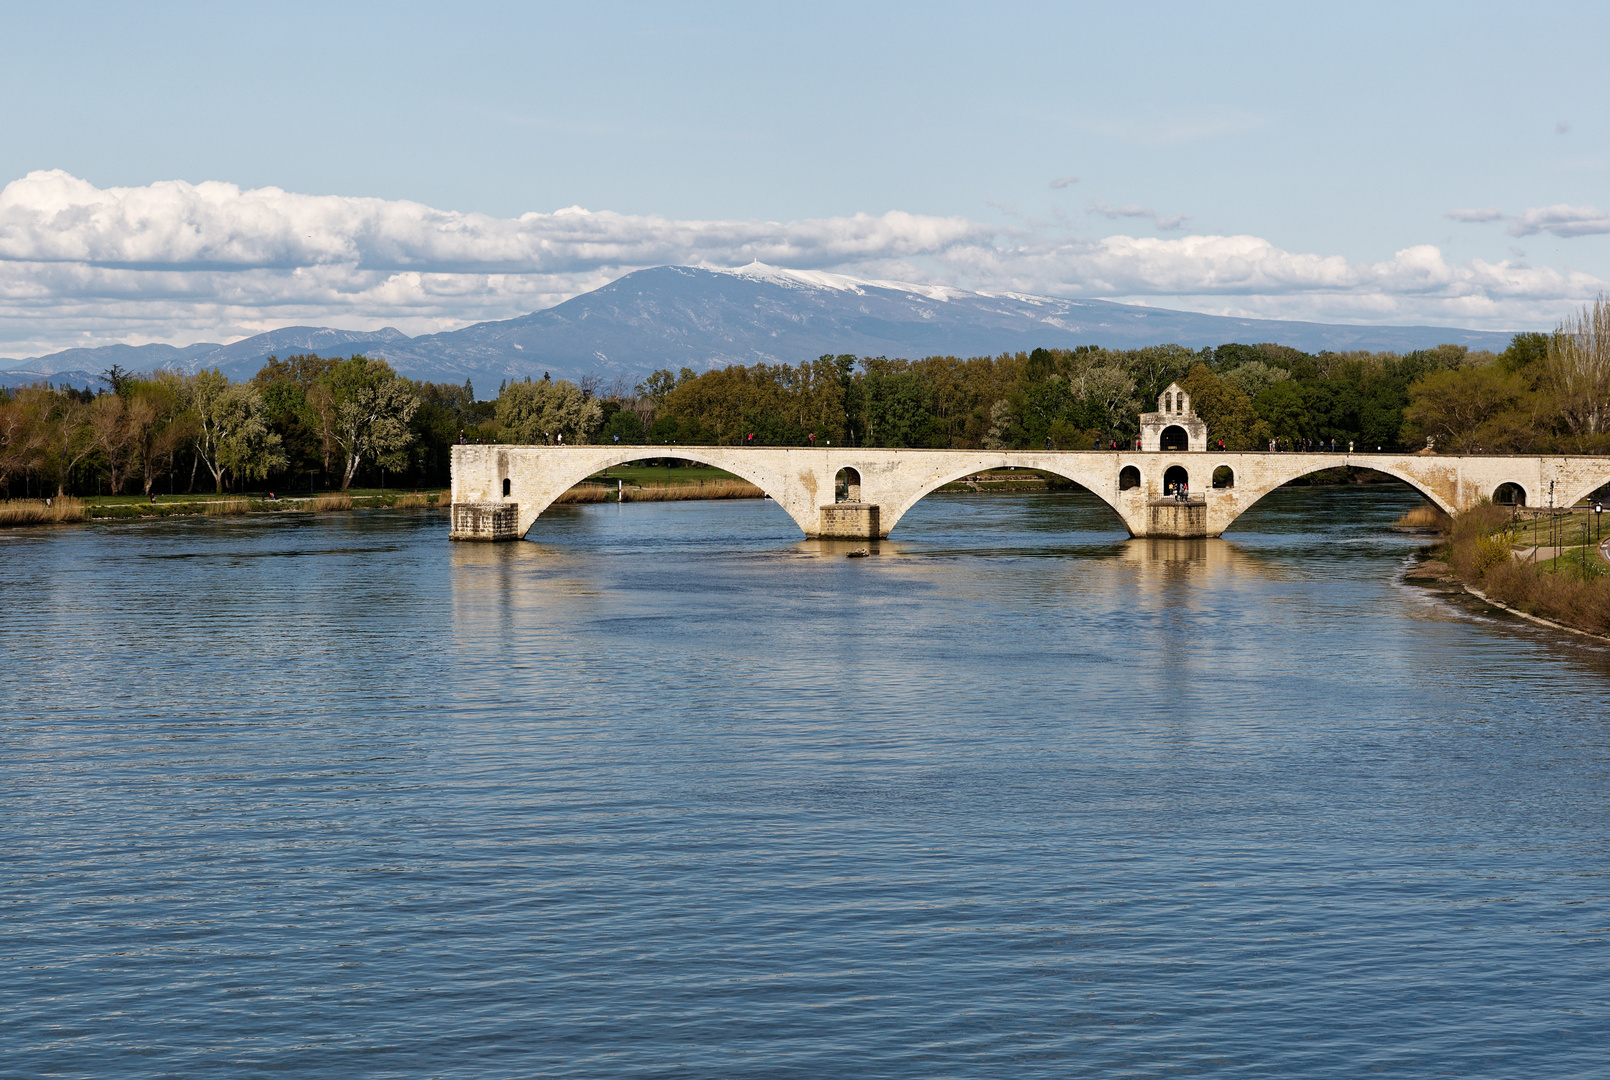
(68, 509)
(1547, 569)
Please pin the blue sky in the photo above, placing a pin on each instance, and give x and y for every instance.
(401, 164)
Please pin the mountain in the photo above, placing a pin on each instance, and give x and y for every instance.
(681, 316)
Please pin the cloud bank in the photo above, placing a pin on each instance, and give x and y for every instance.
(1561, 220)
(180, 262)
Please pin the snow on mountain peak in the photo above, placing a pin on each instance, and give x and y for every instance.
(818, 279)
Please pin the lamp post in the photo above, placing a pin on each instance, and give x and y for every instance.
(1552, 522)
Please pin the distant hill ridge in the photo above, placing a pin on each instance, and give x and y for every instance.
(682, 316)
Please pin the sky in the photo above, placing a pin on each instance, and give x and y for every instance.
(182, 173)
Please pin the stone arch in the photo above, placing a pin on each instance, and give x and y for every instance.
(1255, 495)
(1174, 438)
(590, 459)
(1098, 482)
(1510, 493)
(1128, 477)
(1588, 487)
(1173, 477)
(847, 480)
(1224, 477)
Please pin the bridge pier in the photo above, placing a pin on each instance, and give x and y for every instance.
(850, 521)
(1176, 519)
(485, 521)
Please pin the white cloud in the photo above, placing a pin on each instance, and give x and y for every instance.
(54, 217)
(1562, 220)
(181, 262)
(1063, 181)
(1487, 213)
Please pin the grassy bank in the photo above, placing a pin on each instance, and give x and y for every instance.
(1538, 567)
(133, 508)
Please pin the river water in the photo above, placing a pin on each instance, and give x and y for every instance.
(668, 791)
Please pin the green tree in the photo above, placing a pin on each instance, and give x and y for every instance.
(1110, 402)
(1226, 410)
(160, 423)
(1251, 377)
(897, 411)
(1281, 407)
(1468, 410)
(623, 424)
(538, 412)
(364, 408)
(285, 386)
(231, 435)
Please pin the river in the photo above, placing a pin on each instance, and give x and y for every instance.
(669, 791)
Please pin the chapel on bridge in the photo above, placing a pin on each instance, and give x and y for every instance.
(1173, 426)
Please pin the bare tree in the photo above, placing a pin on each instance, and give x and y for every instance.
(159, 422)
(1578, 370)
(70, 439)
(22, 431)
(109, 420)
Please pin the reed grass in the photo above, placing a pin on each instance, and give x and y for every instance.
(36, 512)
(585, 493)
(1424, 517)
(411, 500)
(705, 489)
(333, 500)
(714, 489)
(228, 507)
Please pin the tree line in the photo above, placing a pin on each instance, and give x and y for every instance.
(301, 422)
(308, 422)
(1545, 393)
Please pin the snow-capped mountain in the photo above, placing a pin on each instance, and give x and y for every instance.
(681, 316)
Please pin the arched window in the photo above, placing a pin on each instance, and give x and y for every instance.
(1223, 477)
(1128, 477)
(1173, 478)
(1168, 403)
(505, 487)
(1174, 438)
(1180, 401)
(1510, 495)
(847, 486)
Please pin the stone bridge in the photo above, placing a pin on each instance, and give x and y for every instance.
(498, 491)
